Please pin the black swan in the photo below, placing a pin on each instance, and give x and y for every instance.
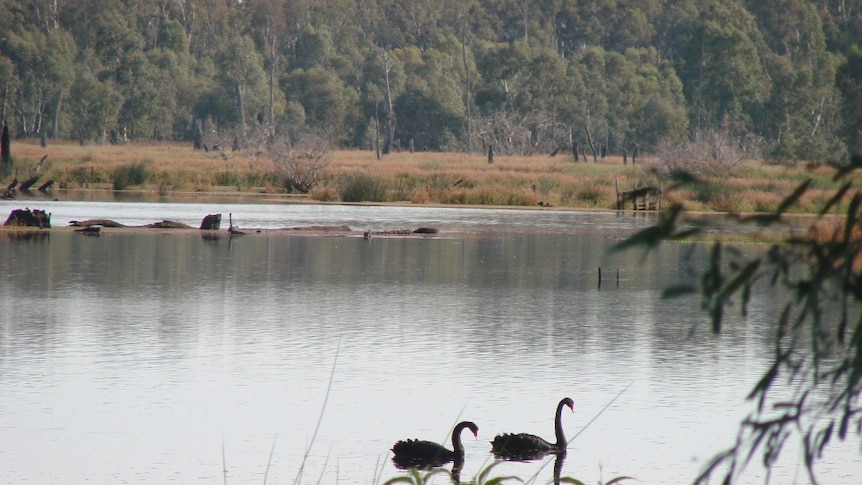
(524, 446)
(426, 454)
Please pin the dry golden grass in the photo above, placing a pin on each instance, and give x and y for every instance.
(418, 178)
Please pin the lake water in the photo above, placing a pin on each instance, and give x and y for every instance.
(146, 358)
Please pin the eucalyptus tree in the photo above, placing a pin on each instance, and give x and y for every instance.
(430, 110)
(42, 56)
(800, 119)
(94, 101)
(542, 84)
(241, 74)
(610, 24)
(849, 82)
(147, 84)
(661, 114)
(328, 104)
(8, 84)
(208, 23)
(594, 120)
(277, 25)
(506, 92)
(721, 67)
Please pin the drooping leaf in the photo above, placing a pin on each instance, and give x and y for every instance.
(618, 480)
(499, 480)
(571, 480)
(652, 236)
(793, 197)
(835, 199)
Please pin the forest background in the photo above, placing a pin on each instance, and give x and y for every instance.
(779, 81)
(782, 78)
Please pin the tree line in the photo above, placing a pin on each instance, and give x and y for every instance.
(782, 79)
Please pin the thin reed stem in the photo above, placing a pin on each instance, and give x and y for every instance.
(269, 462)
(319, 419)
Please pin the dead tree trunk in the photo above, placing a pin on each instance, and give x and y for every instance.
(211, 222)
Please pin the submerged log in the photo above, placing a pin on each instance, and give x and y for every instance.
(166, 224)
(96, 222)
(29, 218)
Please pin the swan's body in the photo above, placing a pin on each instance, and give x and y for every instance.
(424, 454)
(525, 446)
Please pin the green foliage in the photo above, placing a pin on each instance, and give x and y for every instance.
(817, 337)
(425, 120)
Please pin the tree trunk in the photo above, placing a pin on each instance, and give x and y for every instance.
(55, 128)
(271, 110)
(592, 145)
(466, 85)
(377, 132)
(240, 108)
(387, 124)
(5, 146)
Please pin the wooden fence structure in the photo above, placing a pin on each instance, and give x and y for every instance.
(646, 198)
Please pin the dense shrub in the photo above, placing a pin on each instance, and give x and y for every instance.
(129, 175)
(362, 188)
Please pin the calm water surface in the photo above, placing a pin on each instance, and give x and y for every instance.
(167, 359)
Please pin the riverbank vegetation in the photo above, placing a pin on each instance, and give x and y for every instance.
(423, 177)
(809, 395)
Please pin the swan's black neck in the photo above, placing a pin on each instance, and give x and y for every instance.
(457, 447)
(558, 427)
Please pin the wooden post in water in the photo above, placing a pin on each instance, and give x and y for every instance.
(600, 277)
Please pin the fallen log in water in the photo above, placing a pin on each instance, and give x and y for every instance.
(96, 222)
(25, 185)
(168, 225)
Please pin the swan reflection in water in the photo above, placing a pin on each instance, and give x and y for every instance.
(424, 455)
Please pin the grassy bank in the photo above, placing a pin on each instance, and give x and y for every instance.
(417, 178)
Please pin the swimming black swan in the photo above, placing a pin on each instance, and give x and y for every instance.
(524, 446)
(426, 454)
